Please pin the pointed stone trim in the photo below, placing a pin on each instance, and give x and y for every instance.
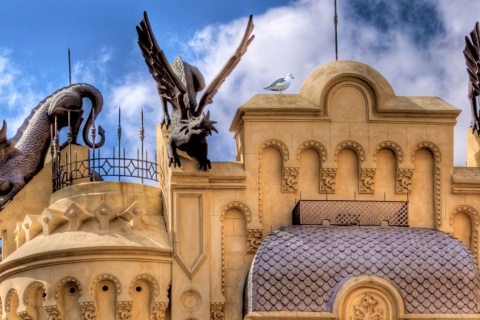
(104, 214)
(133, 214)
(51, 220)
(76, 216)
(159, 311)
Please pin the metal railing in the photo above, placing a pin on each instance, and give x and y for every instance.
(351, 212)
(67, 168)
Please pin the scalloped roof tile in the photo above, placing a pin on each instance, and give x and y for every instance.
(433, 271)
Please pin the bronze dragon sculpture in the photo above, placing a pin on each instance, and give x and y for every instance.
(178, 84)
(23, 156)
(472, 58)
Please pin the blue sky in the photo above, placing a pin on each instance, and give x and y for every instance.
(416, 45)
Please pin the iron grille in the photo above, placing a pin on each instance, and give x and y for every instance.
(346, 212)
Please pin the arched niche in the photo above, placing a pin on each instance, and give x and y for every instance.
(465, 221)
(425, 198)
(273, 155)
(318, 84)
(144, 290)
(33, 298)
(67, 292)
(310, 155)
(12, 303)
(365, 297)
(105, 289)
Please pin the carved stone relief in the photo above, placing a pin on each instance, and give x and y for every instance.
(88, 310)
(404, 180)
(368, 309)
(159, 311)
(217, 311)
(25, 316)
(327, 180)
(124, 310)
(367, 180)
(254, 239)
(290, 179)
(53, 312)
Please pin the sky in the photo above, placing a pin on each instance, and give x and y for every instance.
(417, 45)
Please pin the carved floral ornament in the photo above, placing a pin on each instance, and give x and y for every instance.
(368, 309)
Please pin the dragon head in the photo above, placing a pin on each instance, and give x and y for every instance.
(201, 125)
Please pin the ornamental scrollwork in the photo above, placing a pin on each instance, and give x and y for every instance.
(404, 180)
(290, 179)
(327, 180)
(367, 180)
(254, 240)
(217, 311)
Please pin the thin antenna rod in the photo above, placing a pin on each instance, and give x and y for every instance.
(335, 22)
(69, 69)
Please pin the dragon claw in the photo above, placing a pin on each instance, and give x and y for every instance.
(175, 161)
(165, 122)
(205, 165)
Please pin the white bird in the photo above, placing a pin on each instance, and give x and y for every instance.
(281, 84)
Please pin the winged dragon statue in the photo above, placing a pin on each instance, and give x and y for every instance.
(23, 156)
(472, 58)
(178, 84)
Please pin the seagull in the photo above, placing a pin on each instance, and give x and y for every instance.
(281, 84)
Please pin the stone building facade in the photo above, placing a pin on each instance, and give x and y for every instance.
(224, 244)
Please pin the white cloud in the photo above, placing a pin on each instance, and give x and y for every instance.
(300, 37)
(94, 70)
(17, 96)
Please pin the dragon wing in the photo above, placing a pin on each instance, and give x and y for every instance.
(169, 86)
(472, 55)
(213, 87)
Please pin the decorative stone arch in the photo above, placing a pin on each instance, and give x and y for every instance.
(437, 188)
(289, 175)
(366, 176)
(367, 292)
(474, 218)
(364, 86)
(349, 144)
(240, 206)
(107, 277)
(66, 280)
(247, 215)
(315, 145)
(430, 146)
(29, 288)
(151, 280)
(277, 144)
(391, 146)
(8, 299)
